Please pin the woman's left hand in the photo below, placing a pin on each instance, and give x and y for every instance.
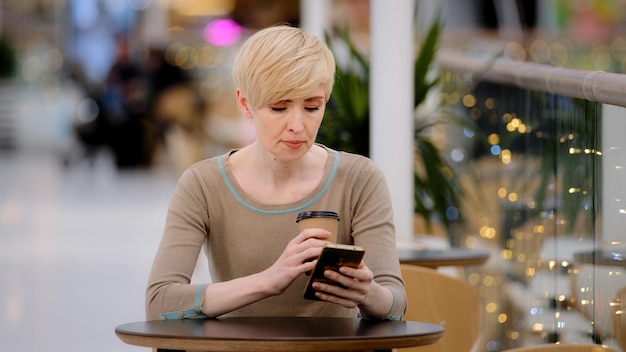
(357, 282)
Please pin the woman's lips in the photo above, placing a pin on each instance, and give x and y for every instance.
(293, 144)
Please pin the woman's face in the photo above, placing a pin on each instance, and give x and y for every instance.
(287, 128)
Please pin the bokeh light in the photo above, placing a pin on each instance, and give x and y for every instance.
(222, 32)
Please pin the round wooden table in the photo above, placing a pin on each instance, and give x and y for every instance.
(296, 334)
(434, 258)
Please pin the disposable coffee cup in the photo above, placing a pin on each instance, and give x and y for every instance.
(327, 220)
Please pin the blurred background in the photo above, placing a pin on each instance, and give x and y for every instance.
(103, 103)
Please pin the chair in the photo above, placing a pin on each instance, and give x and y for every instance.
(437, 298)
(563, 348)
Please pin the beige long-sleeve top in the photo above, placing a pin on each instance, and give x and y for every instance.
(242, 237)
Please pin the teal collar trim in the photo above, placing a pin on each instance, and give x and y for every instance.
(231, 189)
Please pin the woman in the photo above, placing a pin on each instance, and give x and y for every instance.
(242, 206)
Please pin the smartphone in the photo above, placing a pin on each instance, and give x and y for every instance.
(332, 257)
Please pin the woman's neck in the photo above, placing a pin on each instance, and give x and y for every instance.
(265, 177)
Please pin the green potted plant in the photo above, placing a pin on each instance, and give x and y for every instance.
(346, 125)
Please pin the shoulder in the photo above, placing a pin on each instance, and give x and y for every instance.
(346, 159)
(356, 163)
(354, 166)
(205, 171)
(361, 179)
(204, 166)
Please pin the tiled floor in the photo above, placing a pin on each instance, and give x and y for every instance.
(76, 247)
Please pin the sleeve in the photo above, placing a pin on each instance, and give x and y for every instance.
(169, 294)
(373, 229)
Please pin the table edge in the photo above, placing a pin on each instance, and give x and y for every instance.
(261, 345)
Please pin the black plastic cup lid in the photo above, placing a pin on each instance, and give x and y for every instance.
(317, 214)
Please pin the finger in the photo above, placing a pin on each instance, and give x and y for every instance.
(335, 294)
(309, 254)
(361, 273)
(308, 266)
(307, 247)
(313, 232)
(347, 281)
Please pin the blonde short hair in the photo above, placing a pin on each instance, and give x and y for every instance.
(283, 62)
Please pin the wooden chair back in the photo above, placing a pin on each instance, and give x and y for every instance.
(438, 298)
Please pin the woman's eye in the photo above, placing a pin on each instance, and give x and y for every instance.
(312, 109)
(274, 108)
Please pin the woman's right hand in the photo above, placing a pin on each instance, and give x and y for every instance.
(226, 296)
(296, 258)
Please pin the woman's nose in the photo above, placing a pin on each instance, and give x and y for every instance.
(296, 123)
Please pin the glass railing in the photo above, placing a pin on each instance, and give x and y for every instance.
(545, 193)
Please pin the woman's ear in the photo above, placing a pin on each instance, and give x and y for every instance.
(242, 104)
